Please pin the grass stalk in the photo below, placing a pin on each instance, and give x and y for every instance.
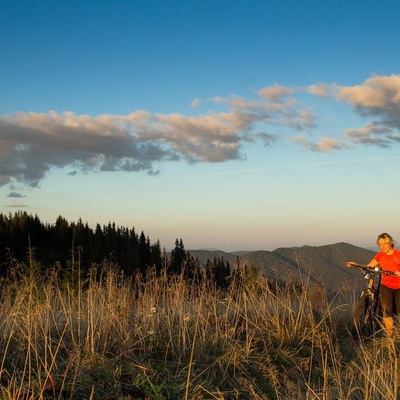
(158, 337)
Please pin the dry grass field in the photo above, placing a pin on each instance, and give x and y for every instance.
(110, 337)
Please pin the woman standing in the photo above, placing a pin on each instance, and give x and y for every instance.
(389, 260)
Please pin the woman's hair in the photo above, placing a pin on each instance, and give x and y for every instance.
(386, 237)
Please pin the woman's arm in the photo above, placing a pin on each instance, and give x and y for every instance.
(373, 263)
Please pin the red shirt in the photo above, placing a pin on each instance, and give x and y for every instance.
(389, 263)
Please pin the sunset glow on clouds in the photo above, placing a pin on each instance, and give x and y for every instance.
(33, 143)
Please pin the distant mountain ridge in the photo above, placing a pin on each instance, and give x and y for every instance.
(322, 264)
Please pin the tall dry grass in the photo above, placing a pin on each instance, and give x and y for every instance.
(110, 337)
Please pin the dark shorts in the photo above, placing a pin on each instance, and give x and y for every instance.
(389, 298)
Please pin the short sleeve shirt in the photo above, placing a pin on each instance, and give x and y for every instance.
(389, 263)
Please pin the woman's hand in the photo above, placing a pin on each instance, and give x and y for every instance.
(350, 264)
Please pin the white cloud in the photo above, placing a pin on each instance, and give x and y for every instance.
(324, 145)
(372, 134)
(377, 95)
(16, 205)
(275, 93)
(323, 89)
(378, 98)
(196, 103)
(15, 195)
(33, 143)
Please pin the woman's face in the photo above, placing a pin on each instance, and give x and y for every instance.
(385, 245)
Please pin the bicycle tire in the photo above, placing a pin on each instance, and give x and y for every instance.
(365, 323)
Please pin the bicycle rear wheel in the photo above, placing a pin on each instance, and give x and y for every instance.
(365, 323)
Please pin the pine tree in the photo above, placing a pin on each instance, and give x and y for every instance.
(178, 255)
(156, 257)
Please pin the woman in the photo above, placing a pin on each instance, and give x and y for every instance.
(389, 260)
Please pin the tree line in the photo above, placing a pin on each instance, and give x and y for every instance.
(22, 234)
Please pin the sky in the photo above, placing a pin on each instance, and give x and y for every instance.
(235, 125)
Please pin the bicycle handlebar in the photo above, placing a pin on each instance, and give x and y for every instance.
(375, 270)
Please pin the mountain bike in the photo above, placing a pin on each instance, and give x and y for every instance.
(368, 313)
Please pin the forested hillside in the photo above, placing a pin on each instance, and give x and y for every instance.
(322, 264)
(23, 237)
(64, 241)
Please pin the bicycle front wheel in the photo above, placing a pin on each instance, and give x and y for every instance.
(365, 323)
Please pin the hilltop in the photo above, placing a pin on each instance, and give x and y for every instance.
(323, 264)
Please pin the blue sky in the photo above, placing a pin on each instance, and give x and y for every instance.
(238, 125)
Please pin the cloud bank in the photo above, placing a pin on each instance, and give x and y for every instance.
(377, 98)
(33, 143)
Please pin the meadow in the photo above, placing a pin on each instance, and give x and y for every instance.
(162, 337)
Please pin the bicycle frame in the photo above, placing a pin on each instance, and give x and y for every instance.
(367, 318)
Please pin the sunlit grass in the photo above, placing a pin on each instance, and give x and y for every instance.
(110, 337)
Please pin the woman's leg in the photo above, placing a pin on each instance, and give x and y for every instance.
(388, 324)
(386, 296)
(396, 312)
